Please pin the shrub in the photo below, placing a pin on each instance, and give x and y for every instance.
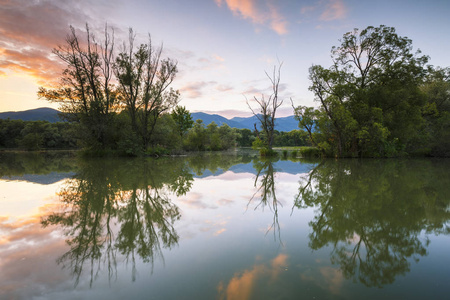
(310, 152)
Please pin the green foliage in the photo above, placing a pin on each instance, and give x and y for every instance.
(436, 113)
(165, 135)
(245, 137)
(36, 135)
(211, 138)
(10, 132)
(310, 152)
(183, 119)
(370, 99)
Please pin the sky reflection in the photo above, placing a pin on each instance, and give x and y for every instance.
(266, 230)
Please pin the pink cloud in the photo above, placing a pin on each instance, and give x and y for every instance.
(334, 10)
(194, 89)
(259, 13)
(29, 30)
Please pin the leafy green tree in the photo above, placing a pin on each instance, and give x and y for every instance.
(436, 112)
(213, 142)
(245, 137)
(227, 136)
(196, 138)
(10, 132)
(370, 101)
(165, 134)
(306, 117)
(183, 119)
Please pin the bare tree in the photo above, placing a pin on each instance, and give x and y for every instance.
(268, 107)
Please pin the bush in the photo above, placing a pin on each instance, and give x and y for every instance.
(310, 152)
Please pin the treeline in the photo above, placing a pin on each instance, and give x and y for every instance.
(35, 135)
(378, 99)
(169, 136)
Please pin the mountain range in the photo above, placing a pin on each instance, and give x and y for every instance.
(281, 124)
(52, 115)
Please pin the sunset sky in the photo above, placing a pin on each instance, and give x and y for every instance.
(223, 47)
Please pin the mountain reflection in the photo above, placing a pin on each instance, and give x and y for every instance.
(374, 213)
(113, 207)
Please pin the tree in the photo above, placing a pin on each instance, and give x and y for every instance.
(85, 91)
(183, 119)
(268, 108)
(144, 80)
(369, 99)
(306, 117)
(196, 138)
(436, 112)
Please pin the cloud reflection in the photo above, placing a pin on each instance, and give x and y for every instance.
(242, 285)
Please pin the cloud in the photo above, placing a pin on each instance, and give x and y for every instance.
(29, 30)
(260, 13)
(326, 10)
(242, 285)
(27, 249)
(334, 10)
(194, 201)
(195, 89)
(219, 58)
(224, 88)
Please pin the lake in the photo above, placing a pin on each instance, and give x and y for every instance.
(223, 226)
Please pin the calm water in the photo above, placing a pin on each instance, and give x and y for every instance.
(223, 227)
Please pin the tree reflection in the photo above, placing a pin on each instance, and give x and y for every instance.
(115, 206)
(373, 213)
(265, 184)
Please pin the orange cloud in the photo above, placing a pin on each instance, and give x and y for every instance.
(29, 30)
(257, 13)
(241, 286)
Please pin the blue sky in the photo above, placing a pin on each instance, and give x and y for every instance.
(223, 47)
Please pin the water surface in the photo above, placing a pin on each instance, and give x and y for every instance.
(223, 227)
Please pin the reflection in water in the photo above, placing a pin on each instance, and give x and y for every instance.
(374, 217)
(372, 212)
(43, 168)
(266, 190)
(112, 208)
(253, 283)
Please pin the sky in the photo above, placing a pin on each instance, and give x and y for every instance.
(223, 47)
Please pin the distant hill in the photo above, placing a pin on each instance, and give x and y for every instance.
(281, 124)
(52, 115)
(219, 120)
(38, 114)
